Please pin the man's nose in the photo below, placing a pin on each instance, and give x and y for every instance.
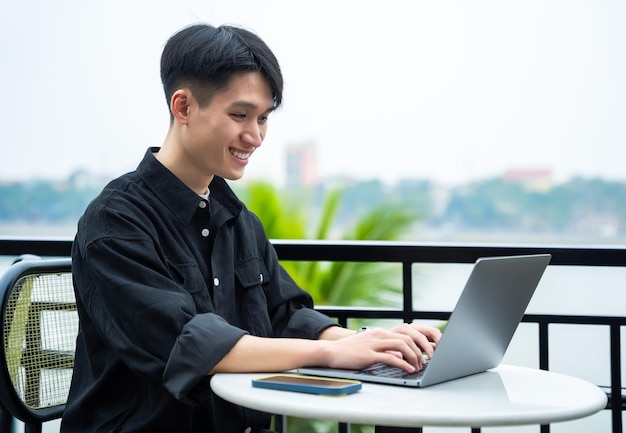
(253, 135)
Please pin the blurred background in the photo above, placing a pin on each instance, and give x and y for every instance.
(495, 121)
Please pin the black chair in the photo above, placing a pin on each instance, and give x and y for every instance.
(39, 328)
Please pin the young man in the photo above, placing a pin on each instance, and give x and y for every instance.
(176, 280)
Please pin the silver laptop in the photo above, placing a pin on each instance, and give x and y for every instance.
(479, 330)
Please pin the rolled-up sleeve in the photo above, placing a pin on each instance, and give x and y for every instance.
(204, 341)
(307, 323)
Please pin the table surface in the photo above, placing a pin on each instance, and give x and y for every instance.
(505, 395)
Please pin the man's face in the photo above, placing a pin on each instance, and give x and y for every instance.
(219, 138)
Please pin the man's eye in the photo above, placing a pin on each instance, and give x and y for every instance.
(263, 119)
(238, 115)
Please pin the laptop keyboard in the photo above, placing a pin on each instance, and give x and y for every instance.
(385, 370)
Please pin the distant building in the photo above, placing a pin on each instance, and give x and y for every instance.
(302, 164)
(539, 180)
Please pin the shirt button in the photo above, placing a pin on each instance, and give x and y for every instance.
(202, 204)
(216, 281)
(248, 430)
(261, 277)
(205, 232)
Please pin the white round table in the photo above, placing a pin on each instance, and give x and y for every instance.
(506, 395)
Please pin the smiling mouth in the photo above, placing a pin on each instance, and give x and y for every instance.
(240, 155)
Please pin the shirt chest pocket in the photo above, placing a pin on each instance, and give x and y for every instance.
(251, 272)
(189, 276)
(252, 304)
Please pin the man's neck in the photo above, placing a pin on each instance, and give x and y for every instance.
(175, 162)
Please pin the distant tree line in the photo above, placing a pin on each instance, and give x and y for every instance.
(42, 201)
(576, 206)
(489, 204)
(580, 205)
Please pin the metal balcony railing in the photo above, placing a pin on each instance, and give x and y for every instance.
(409, 254)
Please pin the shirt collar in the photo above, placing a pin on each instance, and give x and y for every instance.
(177, 196)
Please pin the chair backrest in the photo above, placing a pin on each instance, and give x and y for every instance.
(39, 328)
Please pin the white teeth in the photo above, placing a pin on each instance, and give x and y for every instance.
(240, 155)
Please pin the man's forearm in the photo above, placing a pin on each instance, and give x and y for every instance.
(335, 333)
(258, 354)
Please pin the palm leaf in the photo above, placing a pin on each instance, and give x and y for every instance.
(336, 283)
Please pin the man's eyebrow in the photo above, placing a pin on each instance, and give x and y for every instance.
(250, 106)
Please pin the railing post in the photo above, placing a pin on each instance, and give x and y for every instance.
(407, 292)
(544, 357)
(280, 423)
(544, 347)
(616, 378)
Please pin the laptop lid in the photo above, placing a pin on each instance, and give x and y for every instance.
(481, 325)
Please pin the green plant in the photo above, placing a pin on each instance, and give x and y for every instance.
(288, 216)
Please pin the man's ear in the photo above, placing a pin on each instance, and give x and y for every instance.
(179, 105)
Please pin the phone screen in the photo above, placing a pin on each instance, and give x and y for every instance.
(304, 380)
(310, 384)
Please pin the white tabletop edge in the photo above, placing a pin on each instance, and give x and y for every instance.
(503, 396)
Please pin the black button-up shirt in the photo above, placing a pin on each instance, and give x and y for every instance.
(166, 283)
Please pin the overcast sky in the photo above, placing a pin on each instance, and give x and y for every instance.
(447, 90)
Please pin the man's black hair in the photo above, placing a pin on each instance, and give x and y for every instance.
(204, 58)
